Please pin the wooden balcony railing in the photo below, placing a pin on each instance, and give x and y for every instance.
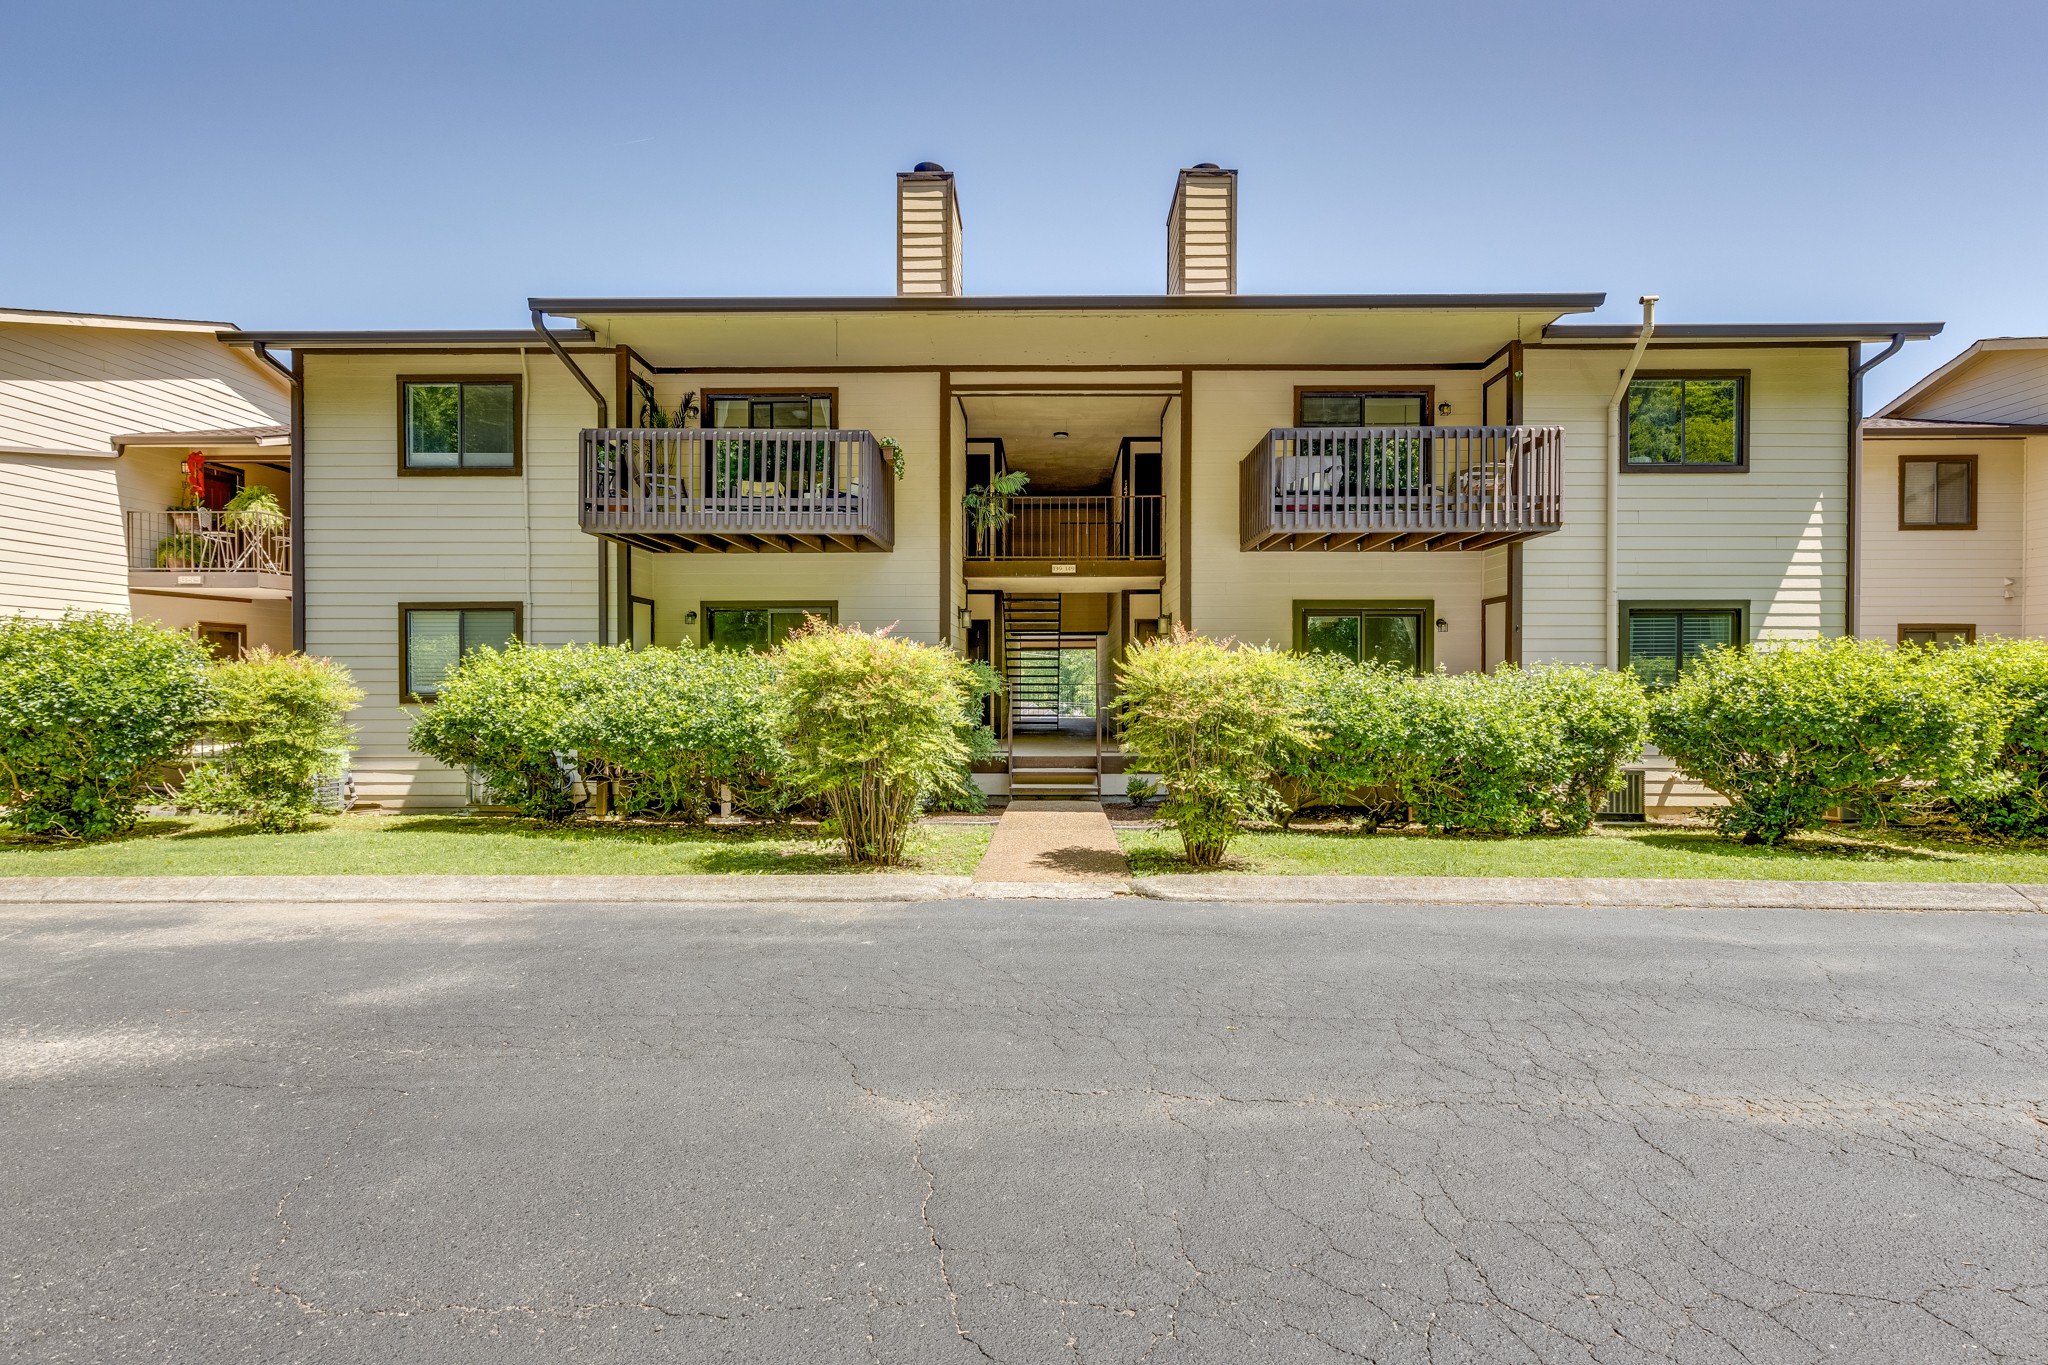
(208, 542)
(1400, 488)
(1070, 529)
(678, 488)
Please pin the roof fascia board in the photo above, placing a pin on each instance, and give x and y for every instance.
(525, 336)
(38, 317)
(1078, 303)
(1733, 331)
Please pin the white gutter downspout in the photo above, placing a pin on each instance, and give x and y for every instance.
(1612, 613)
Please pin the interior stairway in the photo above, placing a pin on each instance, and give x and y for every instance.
(1031, 673)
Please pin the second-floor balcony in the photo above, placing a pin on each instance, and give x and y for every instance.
(1123, 531)
(720, 489)
(210, 553)
(1400, 488)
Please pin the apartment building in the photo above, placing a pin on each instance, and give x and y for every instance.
(123, 441)
(1445, 481)
(1955, 474)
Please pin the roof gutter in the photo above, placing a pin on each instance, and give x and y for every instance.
(603, 409)
(1856, 373)
(1613, 578)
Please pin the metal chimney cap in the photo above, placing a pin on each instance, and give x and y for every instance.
(925, 167)
(1205, 166)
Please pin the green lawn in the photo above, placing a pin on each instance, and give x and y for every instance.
(1612, 851)
(210, 846)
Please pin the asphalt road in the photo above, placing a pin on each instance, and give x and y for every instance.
(1086, 1132)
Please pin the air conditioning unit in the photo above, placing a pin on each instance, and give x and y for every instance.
(1627, 803)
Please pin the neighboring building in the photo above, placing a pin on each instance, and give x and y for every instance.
(1955, 480)
(1422, 479)
(100, 420)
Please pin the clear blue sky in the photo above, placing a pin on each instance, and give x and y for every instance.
(372, 164)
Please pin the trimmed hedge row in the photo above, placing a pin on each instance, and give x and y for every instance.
(872, 727)
(1789, 733)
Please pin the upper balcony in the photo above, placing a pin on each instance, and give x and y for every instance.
(692, 489)
(1117, 534)
(207, 553)
(1400, 488)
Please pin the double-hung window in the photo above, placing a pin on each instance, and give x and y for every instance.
(1697, 421)
(1663, 640)
(464, 424)
(433, 637)
(1938, 493)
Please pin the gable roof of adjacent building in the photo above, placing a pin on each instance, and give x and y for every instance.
(1980, 355)
(85, 384)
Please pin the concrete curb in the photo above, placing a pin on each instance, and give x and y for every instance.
(1048, 891)
(1596, 891)
(723, 888)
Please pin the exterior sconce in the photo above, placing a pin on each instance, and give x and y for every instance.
(1059, 436)
(1443, 409)
(689, 618)
(963, 615)
(1443, 627)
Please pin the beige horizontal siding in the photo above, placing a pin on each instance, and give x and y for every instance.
(1944, 577)
(1773, 536)
(73, 388)
(1997, 386)
(60, 524)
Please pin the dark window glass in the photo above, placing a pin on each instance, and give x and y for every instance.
(1684, 422)
(459, 426)
(760, 629)
(1942, 637)
(1365, 636)
(1364, 410)
(772, 412)
(436, 639)
(1936, 493)
(1661, 643)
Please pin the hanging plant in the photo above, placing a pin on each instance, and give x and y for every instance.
(893, 448)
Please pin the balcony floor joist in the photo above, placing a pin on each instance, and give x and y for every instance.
(678, 542)
(1389, 540)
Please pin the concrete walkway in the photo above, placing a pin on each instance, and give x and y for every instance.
(1043, 847)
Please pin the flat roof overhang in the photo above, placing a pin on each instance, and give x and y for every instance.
(302, 341)
(1817, 332)
(1070, 303)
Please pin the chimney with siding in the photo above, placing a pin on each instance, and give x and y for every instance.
(1201, 232)
(927, 232)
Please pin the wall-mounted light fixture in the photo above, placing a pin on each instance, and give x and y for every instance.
(963, 615)
(1059, 436)
(689, 618)
(1442, 626)
(1443, 409)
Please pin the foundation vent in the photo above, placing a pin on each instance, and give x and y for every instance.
(1201, 232)
(927, 232)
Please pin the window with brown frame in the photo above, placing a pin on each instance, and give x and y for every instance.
(433, 637)
(1364, 407)
(1938, 493)
(771, 410)
(458, 424)
(1941, 637)
(1686, 421)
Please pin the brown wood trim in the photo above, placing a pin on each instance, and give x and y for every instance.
(1162, 388)
(1186, 499)
(1159, 367)
(1969, 631)
(1964, 457)
(504, 349)
(1484, 603)
(948, 514)
(518, 466)
(1515, 585)
(1741, 464)
(1083, 568)
(705, 399)
(1428, 392)
(622, 377)
(296, 497)
(518, 610)
(1684, 345)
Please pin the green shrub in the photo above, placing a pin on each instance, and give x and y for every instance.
(90, 706)
(959, 792)
(506, 712)
(1212, 721)
(279, 720)
(871, 724)
(1589, 722)
(673, 726)
(1501, 753)
(1789, 732)
(2012, 677)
